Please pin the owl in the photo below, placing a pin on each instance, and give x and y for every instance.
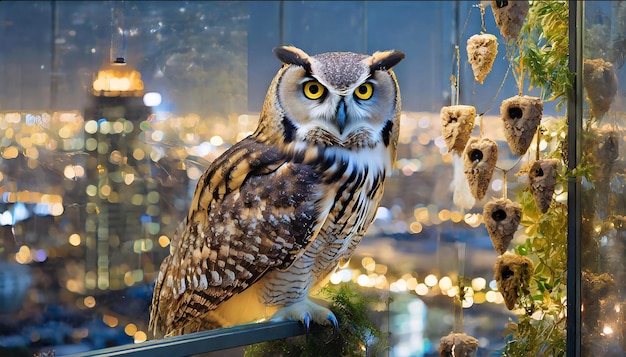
(275, 215)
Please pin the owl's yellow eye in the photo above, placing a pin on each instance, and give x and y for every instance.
(364, 91)
(313, 90)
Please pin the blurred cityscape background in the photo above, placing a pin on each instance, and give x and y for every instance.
(99, 159)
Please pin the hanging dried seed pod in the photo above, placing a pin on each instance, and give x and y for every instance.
(481, 52)
(459, 345)
(501, 217)
(457, 123)
(521, 116)
(512, 274)
(479, 159)
(597, 290)
(600, 83)
(510, 16)
(608, 152)
(542, 177)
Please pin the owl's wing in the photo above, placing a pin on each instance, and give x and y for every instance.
(254, 209)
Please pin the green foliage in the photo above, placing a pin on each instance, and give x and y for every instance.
(544, 49)
(543, 59)
(540, 330)
(357, 336)
(536, 337)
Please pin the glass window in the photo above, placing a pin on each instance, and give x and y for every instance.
(603, 205)
(110, 112)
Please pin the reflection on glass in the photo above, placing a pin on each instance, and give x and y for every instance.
(603, 204)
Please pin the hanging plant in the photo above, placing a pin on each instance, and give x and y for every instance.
(357, 334)
(544, 51)
(542, 59)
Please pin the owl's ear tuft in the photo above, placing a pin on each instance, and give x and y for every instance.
(293, 55)
(385, 60)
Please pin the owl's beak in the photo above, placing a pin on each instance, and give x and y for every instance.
(341, 116)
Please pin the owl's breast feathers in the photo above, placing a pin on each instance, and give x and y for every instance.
(254, 209)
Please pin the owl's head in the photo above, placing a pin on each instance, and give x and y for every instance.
(333, 99)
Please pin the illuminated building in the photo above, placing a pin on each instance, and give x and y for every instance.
(122, 202)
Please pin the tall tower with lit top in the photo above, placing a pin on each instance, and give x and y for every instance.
(123, 203)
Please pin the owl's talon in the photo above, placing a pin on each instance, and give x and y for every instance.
(306, 321)
(307, 312)
(333, 320)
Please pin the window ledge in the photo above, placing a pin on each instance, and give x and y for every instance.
(205, 341)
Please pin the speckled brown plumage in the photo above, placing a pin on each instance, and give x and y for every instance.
(272, 217)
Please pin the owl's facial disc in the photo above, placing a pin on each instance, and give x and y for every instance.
(337, 98)
(321, 113)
